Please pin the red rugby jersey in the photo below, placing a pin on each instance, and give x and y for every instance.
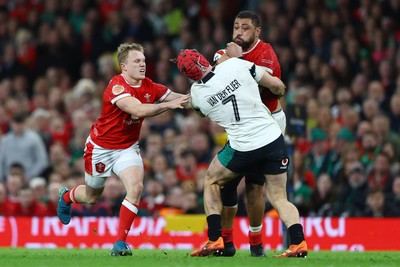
(116, 129)
(262, 54)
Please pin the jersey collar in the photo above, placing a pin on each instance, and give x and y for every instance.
(134, 86)
(208, 76)
(258, 41)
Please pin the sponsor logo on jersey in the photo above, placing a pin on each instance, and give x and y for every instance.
(117, 89)
(267, 61)
(100, 167)
(131, 122)
(147, 96)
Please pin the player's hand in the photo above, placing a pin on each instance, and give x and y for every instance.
(188, 104)
(180, 102)
(234, 50)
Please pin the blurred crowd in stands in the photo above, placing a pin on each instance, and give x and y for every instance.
(340, 60)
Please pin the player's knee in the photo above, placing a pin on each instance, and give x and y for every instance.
(211, 180)
(278, 202)
(134, 190)
(139, 187)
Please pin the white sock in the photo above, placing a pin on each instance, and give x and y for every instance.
(255, 229)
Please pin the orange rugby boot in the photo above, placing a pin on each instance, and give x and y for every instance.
(295, 251)
(215, 248)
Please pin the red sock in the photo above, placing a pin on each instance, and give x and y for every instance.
(255, 238)
(127, 214)
(69, 197)
(227, 235)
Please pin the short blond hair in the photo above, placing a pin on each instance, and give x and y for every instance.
(123, 50)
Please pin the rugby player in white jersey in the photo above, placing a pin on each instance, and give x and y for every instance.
(246, 33)
(229, 95)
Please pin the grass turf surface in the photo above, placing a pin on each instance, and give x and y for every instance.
(16, 257)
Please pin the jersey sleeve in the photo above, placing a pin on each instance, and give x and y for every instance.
(161, 92)
(218, 54)
(269, 61)
(115, 91)
(256, 71)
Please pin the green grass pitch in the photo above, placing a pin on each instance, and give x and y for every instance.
(18, 257)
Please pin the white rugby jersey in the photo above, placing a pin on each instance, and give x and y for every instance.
(229, 96)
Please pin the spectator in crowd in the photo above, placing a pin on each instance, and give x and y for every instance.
(18, 169)
(323, 197)
(352, 195)
(187, 166)
(342, 139)
(299, 172)
(201, 145)
(377, 205)
(39, 189)
(394, 115)
(153, 199)
(23, 146)
(301, 195)
(153, 146)
(14, 184)
(379, 176)
(394, 195)
(113, 194)
(98, 209)
(53, 189)
(170, 181)
(158, 166)
(370, 109)
(40, 121)
(370, 148)
(29, 205)
(318, 160)
(8, 207)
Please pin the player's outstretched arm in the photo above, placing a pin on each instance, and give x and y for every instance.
(133, 106)
(172, 95)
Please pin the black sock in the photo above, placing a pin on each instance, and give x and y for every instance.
(214, 226)
(296, 234)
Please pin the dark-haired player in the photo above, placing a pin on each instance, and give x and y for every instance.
(246, 33)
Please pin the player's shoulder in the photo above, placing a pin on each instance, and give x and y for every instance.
(230, 64)
(264, 46)
(147, 80)
(117, 85)
(151, 85)
(117, 80)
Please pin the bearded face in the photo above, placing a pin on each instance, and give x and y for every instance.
(245, 33)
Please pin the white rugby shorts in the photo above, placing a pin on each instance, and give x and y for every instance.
(280, 118)
(100, 162)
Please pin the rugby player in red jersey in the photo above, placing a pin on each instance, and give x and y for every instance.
(246, 33)
(112, 145)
